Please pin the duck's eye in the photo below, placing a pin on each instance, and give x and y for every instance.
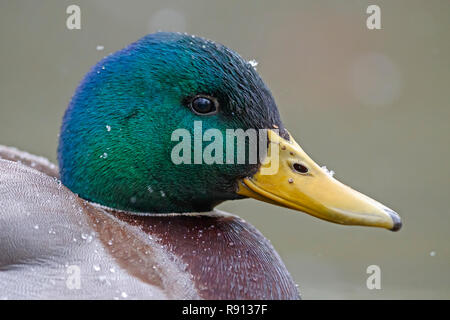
(204, 105)
(300, 168)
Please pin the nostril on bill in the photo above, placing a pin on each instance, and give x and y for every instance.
(300, 168)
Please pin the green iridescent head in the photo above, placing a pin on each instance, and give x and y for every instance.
(115, 143)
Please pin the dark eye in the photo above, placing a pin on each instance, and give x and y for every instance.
(300, 168)
(204, 105)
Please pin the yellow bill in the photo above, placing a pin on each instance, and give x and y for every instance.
(300, 184)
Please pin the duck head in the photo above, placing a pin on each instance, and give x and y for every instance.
(121, 132)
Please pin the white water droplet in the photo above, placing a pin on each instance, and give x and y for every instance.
(108, 128)
(112, 270)
(36, 227)
(163, 194)
(96, 267)
(432, 253)
(100, 48)
(328, 172)
(253, 63)
(124, 295)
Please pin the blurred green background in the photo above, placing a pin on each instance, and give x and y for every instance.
(373, 105)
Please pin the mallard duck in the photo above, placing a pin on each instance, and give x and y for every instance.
(120, 219)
